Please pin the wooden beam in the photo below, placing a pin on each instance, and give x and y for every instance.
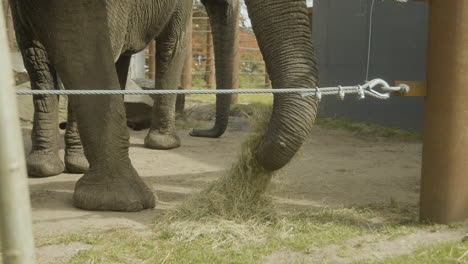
(416, 88)
(444, 185)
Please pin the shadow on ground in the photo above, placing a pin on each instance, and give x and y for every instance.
(334, 169)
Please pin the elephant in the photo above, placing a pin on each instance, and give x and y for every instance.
(167, 25)
(88, 43)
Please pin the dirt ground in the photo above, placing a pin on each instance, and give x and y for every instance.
(335, 168)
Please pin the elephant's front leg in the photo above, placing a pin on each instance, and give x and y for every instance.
(171, 48)
(111, 183)
(84, 60)
(75, 160)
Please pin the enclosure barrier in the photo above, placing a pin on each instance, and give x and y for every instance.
(341, 91)
(444, 182)
(15, 208)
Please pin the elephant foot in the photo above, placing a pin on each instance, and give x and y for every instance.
(164, 141)
(209, 133)
(98, 192)
(41, 163)
(75, 161)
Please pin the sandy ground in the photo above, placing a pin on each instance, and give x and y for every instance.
(335, 168)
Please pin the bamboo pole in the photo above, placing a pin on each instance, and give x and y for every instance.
(10, 28)
(444, 185)
(15, 208)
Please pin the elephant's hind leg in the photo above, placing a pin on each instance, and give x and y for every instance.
(75, 160)
(43, 160)
(170, 53)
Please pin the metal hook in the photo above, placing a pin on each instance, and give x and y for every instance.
(385, 87)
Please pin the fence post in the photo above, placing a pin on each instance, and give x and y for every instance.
(209, 69)
(267, 79)
(186, 78)
(444, 196)
(15, 208)
(139, 69)
(236, 63)
(152, 60)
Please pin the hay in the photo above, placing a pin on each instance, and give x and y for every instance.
(239, 194)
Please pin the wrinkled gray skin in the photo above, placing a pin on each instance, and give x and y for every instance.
(89, 43)
(283, 32)
(169, 29)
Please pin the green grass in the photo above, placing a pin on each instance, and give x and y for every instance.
(249, 102)
(368, 129)
(442, 253)
(214, 240)
(266, 99)
(185, 123)
(85, 238)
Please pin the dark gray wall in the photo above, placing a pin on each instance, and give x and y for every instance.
(399, 45)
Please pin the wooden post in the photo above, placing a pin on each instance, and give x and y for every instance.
(444, 190)
(139, 69)
(210, 69)
(15, 208)
(186, 78)
(152, 60)
(236, 63)
(267, 79)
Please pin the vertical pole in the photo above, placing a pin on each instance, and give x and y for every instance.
(210, 69)
(139, 70)
(5, 12)
(267, 79)
(236, 64)
(15, 208)
(186, 78)
(10, 30)
(152, 60)
(444, 185)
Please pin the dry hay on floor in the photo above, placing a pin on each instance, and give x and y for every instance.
(239, 194)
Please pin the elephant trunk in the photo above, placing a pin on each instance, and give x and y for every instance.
(224, 22)
(284, 35)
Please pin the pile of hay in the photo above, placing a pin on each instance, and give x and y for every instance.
(239, 194)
